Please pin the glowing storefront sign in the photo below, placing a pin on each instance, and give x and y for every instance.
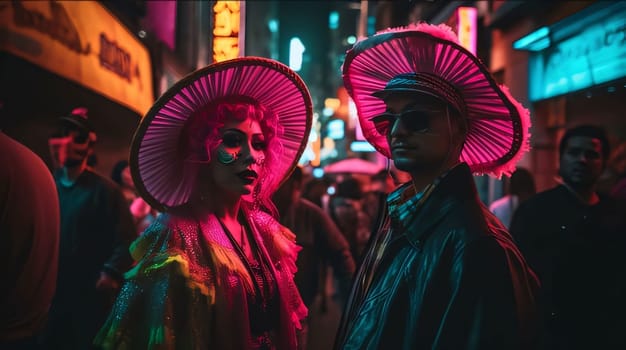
(227, 19)
(83, 42)
(585, 50)
(467, 19)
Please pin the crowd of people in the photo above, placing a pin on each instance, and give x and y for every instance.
(210, 236)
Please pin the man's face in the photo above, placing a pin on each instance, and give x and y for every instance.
(418, 132)
(71, 147)
(581, 163)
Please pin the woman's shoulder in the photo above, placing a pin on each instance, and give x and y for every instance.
(162, 234)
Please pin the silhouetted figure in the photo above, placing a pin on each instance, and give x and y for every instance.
(575, 239)
(96, 231)
(315, 190)
(143, 214)
(521, 187)
(346, 209)
(29, 243)
(321, 241)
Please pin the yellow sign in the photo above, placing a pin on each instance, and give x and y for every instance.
(83, 42)
(226, 19)
(467, 27)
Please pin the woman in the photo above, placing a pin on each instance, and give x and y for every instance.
(215, 271)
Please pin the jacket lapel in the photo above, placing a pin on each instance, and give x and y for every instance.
(457, 186)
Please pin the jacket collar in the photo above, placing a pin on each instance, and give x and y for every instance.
(456, 186)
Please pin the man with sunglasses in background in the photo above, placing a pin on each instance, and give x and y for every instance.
(441, 272)
(96, 231)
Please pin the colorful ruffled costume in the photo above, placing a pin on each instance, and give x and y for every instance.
(190, 289)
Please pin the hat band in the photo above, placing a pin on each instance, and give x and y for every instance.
(434, 85)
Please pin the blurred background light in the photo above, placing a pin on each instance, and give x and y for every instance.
(318, 173)
(272, 24)
(333, 20)
(296, 49)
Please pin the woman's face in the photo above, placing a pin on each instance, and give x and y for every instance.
(236, 163)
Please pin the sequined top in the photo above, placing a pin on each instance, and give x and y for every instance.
(191, 290)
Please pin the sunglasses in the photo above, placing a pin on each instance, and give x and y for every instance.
(413, 120)
(78, 136)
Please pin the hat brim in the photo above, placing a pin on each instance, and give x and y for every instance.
(497, 124)
(161, 175)
(384, 93)
(77, 122)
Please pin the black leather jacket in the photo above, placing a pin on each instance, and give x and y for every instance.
(452, 279)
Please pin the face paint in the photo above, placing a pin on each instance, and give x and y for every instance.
(225, 157)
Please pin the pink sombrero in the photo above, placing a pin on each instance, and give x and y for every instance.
(497, 124)
(159, 171)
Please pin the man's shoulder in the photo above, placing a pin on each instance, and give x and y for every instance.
(100, 180)
(545, 199)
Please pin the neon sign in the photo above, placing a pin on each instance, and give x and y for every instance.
(226, 19)
(467, 27)
(584, 50)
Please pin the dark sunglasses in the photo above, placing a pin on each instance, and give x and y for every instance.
(80, 137)
(413, 120)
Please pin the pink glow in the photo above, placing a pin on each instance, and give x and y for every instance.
(497, 122)
(161, 20)
(170, 179)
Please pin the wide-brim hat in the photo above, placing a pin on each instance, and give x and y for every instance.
(161, 174)
(425, 58)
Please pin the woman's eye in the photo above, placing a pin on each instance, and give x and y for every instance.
(259, 145)
(231, 140)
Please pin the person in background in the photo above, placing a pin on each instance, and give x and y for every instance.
(96, 231)
(143, 214)
(613, 180)
(216, 269)
(575, 238)
(321, 242)
(521, 187)
(381, 184)
(29, 243)
(121, 176)
(316, 191)
(617, 164)
(346, 209)
(442, 272)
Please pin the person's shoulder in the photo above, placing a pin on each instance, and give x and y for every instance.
(308, 206)
(101, 181)
(16, 156)
(544, 199)
(97, 177)
(499, 203)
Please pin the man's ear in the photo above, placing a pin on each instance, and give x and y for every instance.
(460, 131)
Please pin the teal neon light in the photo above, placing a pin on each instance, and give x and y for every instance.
(529, 42)
(587, 49)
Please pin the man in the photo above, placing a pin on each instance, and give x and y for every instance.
(442, 272)
(29, 227)
(96, 230)
(346, 209)
(320, 239)
(575, 240)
